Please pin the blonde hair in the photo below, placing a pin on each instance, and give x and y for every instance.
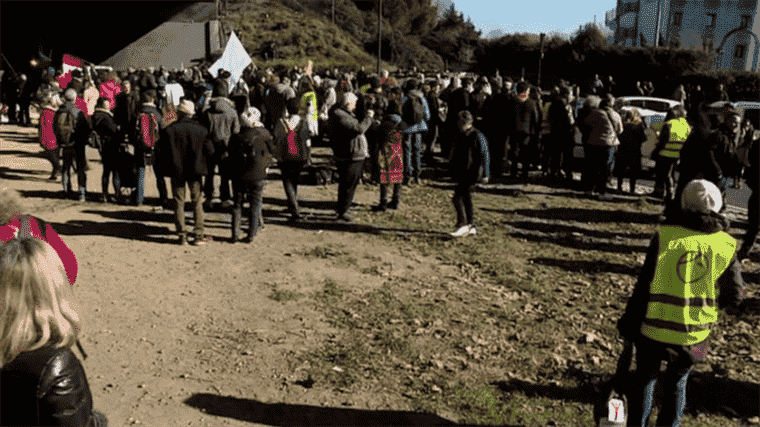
(35, 299)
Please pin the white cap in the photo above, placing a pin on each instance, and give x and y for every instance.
(701, 195)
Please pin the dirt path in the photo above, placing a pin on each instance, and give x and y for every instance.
(164, 323)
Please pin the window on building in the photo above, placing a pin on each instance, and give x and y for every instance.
(677, 18)
(745, 21)
(711, 18)
(739, 51)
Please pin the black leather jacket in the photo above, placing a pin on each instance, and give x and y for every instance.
(46, 386)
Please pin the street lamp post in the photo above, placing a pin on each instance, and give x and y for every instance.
(379, 35)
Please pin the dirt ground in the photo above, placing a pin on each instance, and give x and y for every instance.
(382, 321)
(174, 332)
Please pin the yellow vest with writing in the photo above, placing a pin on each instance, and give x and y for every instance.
(683, 295)
(679, 132)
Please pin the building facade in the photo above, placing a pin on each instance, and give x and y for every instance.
(725, 28)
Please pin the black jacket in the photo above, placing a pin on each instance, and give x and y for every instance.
(730, 283)
(104, 124)
(46, 386)
(469, 159)
(251, 154)
(522, 116)
(81, 128)
(184, 151)
(344, 126)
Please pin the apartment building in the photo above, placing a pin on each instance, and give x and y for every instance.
(692, 24)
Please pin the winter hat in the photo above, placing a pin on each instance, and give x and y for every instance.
(251, 117)
(701, 196)
(70, 95)
(186, 107)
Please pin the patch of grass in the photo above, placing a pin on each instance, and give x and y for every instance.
(283, 295)
(327, 251)
(509, 315)
(331, 293)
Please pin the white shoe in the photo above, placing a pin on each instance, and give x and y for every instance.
(472, 230)
(462, 231)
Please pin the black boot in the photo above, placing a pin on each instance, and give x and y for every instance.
(383, 205)
(395, 198)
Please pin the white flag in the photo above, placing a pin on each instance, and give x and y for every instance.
(234, 59)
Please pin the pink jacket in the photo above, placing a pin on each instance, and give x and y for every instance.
(109, 90)
(47, 137)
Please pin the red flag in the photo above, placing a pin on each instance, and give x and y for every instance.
(70, 63)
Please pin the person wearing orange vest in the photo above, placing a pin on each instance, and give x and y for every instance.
(673, 135)
(690, 272)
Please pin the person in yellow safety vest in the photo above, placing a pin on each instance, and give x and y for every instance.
(690, 272)
(674, 134)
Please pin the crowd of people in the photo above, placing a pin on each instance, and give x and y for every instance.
(384, 128)
(188, 127)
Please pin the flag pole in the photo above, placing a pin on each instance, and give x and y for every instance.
(9, 63)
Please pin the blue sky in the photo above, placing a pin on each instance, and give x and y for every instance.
(532, 16)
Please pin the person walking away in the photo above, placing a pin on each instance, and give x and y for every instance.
(104, 126)
(71, 130)
(690, 272)
(603, 126)
(673, 136)
(145, 134)
(251, 155)
(223, 122)
(523, 122)
(559, 138)
(47, 134)
(390, 163)
(41, 380)
(628, 157)
(291, 148)
(416, 112)
(350, 150)
(185, 160)
(469, 166)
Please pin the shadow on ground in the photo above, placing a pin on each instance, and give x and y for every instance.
(705, 392)
(589, 266)
(282, 414)
(588, 215)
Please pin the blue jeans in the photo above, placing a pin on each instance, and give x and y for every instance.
(255, 217)
(649, 355)
(163, 192)
(413, 155)
(74, 157)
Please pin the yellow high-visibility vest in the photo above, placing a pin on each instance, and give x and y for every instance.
(682, 297)
(679, 132)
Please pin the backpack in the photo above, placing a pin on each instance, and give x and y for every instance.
(296, 149)
(65, 123)
(94, 140)
(146, 129)
(414, 110)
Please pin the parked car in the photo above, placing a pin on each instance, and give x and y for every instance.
(652, 110)
(749, 110)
